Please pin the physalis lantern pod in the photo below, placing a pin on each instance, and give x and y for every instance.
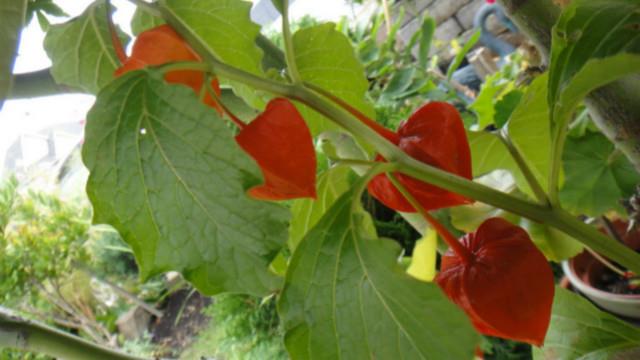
(506, 288)
(162, 45)
(434, 135)
(280, 142)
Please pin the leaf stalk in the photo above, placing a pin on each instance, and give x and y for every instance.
(289, 51)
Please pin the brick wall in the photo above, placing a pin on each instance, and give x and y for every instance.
(454, 19)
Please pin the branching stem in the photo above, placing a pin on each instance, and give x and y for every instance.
(289, 52)
(115, 39)
(553, 216)
(234, 119)
(462, 252)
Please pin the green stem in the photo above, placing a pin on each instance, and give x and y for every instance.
(537, 189)
(234, 119)
(355, 162)
(23, 334)
(460, 251)
(184, 65)
(115, 40)
(288, 45)
(412, 167)
(559, 137)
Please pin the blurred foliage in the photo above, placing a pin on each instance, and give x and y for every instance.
(50, 256)
(41, 237)
(242, 327)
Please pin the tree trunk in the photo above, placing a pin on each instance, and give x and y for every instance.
(615, 108)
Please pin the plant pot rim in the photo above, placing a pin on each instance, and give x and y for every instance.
(591, 290)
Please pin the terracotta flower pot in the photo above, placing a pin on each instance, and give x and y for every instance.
(585, 271)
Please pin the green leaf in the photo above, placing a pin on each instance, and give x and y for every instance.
(143, 21)
(81, 50)
(279, 5)
(427, 30)
(597, 176)
(553, 243)
(43, 21)
(505, 107)
(399, 82)
(305, 213)
(166, 172)
(594, 42)
(346, 297)
(490, 92)
(337, 144)
(578, 330)
(488, 153)
(529, 130)
(222, 28)
(46, 7)
(326, 59)
(455, 64)
(12, 13)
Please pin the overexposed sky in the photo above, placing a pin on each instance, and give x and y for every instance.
(30, 115)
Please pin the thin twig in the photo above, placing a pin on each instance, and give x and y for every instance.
(463, 253)
(611, 231)
(239, 123)
(606, 262)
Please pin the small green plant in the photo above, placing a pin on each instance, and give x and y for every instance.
(241, 327)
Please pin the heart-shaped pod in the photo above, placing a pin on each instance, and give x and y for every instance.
(280, 142)
(435, 135)
(506, 288)
(162, 45)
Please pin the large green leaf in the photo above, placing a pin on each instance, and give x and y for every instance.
(326, 59)
(222, 28)
(594, 43)
(427, 30)
(142, 20)
(580, 331)
(305, 213)
(554, 244)
(488, 153)
(166, 172)
(529, 129)
(81, 50)
(597, 175)
(346, 297)
(12, 13)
